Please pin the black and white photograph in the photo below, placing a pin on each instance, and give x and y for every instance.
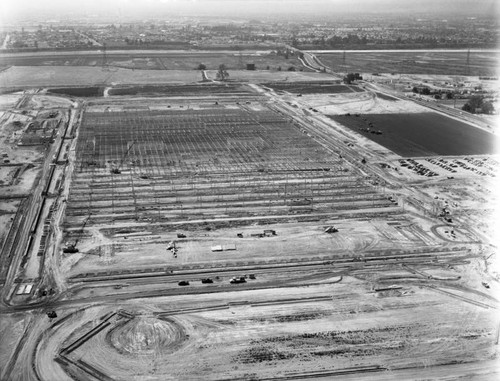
(251, 190)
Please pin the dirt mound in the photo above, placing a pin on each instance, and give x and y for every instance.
(146, 335)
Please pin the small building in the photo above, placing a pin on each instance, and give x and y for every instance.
(28, 289)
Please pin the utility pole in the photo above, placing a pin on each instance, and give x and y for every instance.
(343, 62)
(468, 62)
(104, 58)
(240, 59)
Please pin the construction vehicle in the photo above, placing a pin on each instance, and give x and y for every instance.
(116, 170)
(331, 229)
(71, 247)
(52, 314)
(239, 279)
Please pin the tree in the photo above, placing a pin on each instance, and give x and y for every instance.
(473, 104)
(222, 73)
(477, 102)
(202, 66)
(349, 78)
(426, 91)
(487, 108)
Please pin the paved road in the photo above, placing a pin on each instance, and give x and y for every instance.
(131, 52)
(406, 51)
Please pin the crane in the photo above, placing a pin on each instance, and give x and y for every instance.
(71, 247)
(116, 170)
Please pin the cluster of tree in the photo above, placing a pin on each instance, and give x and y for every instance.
(438, 94)
(150, 41)
(478, 105)
(359, 41)
(284, 53)
(222, 73)
(350, 39)
(351, 77)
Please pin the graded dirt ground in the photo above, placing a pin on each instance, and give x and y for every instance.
(293, 331)
(304, 259)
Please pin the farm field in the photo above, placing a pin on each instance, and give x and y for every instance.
(206, 89)
(422, 134)
(54, 76)
(152, 60)
(312, 88)
(413, 62)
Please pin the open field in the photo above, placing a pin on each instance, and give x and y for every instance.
(154, 60)
(366, 102)
(54, 76)
(205, 89)
(313, 88)
(182, 229)
(414, 62)
(425, 134)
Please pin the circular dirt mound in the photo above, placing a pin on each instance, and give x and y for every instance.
(146, 335)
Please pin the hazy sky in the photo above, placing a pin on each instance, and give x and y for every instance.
(11, 10)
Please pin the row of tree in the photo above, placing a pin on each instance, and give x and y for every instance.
(202, 66)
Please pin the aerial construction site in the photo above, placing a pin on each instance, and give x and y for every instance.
(267, 226)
